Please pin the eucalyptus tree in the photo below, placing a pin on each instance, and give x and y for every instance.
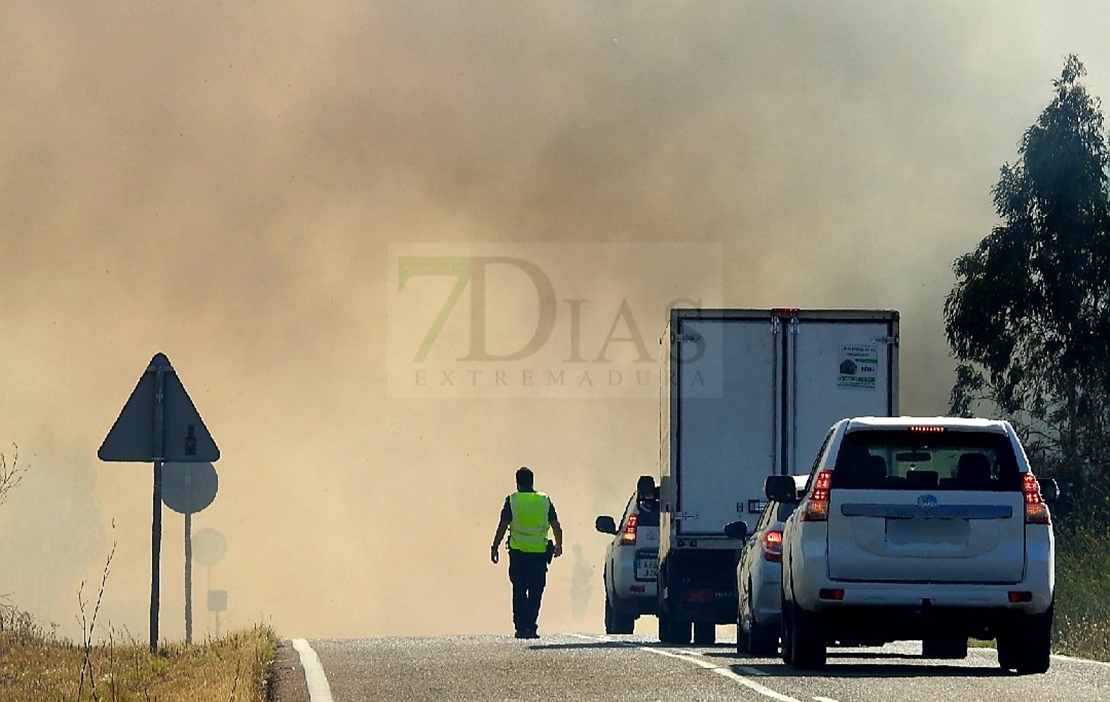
(1028, 319)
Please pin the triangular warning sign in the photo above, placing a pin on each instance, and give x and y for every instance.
(185, 439)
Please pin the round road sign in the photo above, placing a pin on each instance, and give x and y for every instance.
(189, 487)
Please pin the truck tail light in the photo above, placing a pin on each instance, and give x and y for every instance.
(697, 596)
(1036, 511)
(817, 502)
(628, 536)
(772, 546)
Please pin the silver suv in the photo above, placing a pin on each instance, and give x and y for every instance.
(759, 579)
(930, 529)
(632, 560)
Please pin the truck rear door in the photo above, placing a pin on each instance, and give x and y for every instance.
(840, 364)
(723, 418)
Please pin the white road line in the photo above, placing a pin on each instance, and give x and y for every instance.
(1078, 660)
(823, 699)
(725, 672)
(695, 658)
(318, 688)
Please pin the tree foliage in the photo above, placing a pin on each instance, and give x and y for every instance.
(1028, 319)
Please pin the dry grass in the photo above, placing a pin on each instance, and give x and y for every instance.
(1082, 592)
(35, 666)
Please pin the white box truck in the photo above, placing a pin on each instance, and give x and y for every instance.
(748, 393)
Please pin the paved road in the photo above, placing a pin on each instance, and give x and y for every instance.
(596, 668)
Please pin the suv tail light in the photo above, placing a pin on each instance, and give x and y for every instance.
(926, 429)
(772, 546)
(817, 503)
(1036, 511)
(628, 536)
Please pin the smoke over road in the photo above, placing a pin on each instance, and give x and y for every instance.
(223, 181)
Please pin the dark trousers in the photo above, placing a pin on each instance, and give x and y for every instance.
(528, 574)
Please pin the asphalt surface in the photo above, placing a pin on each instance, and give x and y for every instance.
(599, 668)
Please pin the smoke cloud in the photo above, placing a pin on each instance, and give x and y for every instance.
(221, 182)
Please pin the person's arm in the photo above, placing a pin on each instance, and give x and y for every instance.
(557, 530)
(502, 527)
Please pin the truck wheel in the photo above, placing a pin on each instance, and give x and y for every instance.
(945, 647)
(705, 633)
(673, 631)
(763, 640)
(680, 631)
(807, 640)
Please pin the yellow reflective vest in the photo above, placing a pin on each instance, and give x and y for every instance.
(529, 525)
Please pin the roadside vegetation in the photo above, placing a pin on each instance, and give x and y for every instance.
(37, 666)
(1082, 591)
(1028, 322)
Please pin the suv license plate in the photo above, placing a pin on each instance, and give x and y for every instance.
(647, 568)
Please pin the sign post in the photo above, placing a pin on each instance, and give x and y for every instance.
(158, 423)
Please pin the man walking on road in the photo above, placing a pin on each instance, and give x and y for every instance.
(527, 516)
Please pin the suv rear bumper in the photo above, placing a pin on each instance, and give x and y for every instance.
(852, 624)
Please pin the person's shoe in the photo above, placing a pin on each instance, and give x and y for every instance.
(531, 634)
(521, 635)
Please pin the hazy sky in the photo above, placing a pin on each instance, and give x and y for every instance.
(225, 182)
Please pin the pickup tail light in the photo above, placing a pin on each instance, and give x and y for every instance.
(628, 536)
(816, 507)
(772, 546)
(1036, 511)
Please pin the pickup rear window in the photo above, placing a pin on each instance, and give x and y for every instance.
(903, 460)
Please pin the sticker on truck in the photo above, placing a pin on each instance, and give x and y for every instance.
(859, 366)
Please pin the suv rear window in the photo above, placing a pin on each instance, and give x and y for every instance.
(903, 460)
(649, 512)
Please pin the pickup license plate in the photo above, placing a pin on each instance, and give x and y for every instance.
(647, 568)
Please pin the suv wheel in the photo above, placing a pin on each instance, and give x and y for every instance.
(741, 635)
(1026, 645)
(763, 640)
(786, 633)
(807, 640)
(616, 620)
(759, 639)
